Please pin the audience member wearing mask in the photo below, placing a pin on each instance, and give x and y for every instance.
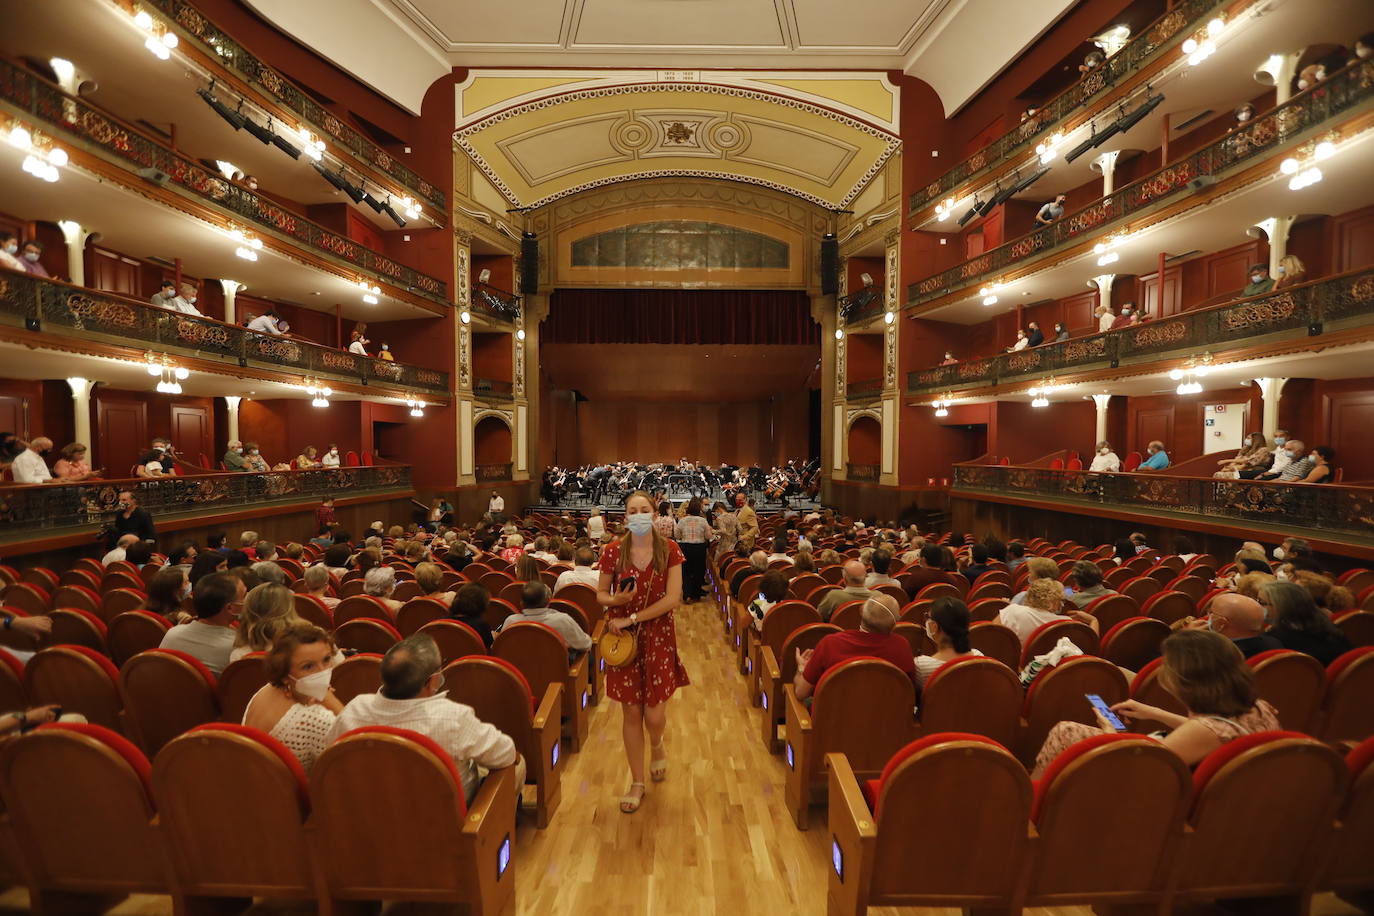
(1105, 461)
(1157, 460)
(1276, 464)
(947, 625)
(9, 251)
(873, 639)
(185, 301)
(29, 466)
(1297, 466)
(33, 250)
(166, 292)
(233, 457)
(252, 457)
(1126, 318)
(331, 457)
(297, 706)
(1260, 281)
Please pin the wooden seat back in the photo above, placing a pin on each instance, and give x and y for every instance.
(1111, 610)
(1347, 713)
(1147, 687)
(27, 597)
(1134, 642)
(494, 581)
(133, 632)
(584, 596)
(238, 683)
(75, 627)
(989, 590)
(356, 675)
(1046, 636)
(781, 620)
(1347, 868)
(312, 609)
(916, 637)
(1169, 606)
(1358, 626)
(996, 641)
(802, 585)
(863, 708)
(1141, 588)
(979, 696)
(117, 601)
(1294, 683)
(166, 693)
(12, 683)
(986, 609)
(497, 611)
(417, 612)
(357, 607)
(82, 597)
(848, 614)
(78, 679)
(454, 638)
(366, 635)
(220, 783)
(1058, 695)
(536, 651)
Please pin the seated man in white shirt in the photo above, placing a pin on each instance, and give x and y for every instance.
(1106, 460)
(218, 598)
(185, 301)
(268, 323)
(583, 572)
(29, 466)
(120, 549)
(1044, 603)
(534, 598)
(881, 561)
(412, 697)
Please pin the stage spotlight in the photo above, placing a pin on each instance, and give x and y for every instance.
(1027, 182)
(372, 201)
(334, 179)
(1111, 131)
(262, 133)
(356, 192)
(235, 118)
(1083, 147)
(1001, 196)
(1139, 114)
(281, 143)
(972, 212)
(391, 212)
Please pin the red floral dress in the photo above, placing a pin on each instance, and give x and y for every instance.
(656, 671)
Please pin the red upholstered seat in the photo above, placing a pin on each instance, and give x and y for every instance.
(133, 632)
(76, 595)
(238, 683)
(1168, 606)
(1058, 694)
(366, 635)
(1347, 868)
(1293, 683)
(1357, 625)
(541, 654)
(1348, 712)
(27, 597)
(77, 627)
(1134, 642)
(167, 692)
(1046, 636)
(79, 679)
(976, 695)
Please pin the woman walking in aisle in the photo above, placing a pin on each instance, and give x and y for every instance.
(691, 534)
(641, 586)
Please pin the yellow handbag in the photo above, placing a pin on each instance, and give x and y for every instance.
(618, 649)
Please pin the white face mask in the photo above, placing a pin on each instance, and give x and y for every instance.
(1282, 270)
(315, 686)
(1104, 451)
(1243, 116)
(11, 248)
(31, 256)
(333, 451)
(930, 632)
(1281, 575)
(1303, 84)
(1363, 51)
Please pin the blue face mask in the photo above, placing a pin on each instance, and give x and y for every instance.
(640, 523)
(1279, 440)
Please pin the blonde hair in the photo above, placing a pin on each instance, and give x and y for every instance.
(430, 577)
(659, 541)
(1250, 584)
(1041, 568)
(1046, 595)
(268, 610)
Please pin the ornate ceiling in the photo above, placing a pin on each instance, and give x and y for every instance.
(542, 135)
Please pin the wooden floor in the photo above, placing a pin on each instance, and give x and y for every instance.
(713, 839)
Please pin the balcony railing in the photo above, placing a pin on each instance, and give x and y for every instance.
(1140, 51)
(864, 388)
(860, 304)
(27, 510)
(487, 473)
(866, 473)
(122, 145)
(1307, 308)
(218, 45)
(1335, 508)
(1343, 91)
(73, 311)
(493, 388)
(496, 302)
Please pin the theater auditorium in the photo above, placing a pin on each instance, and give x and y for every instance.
(687, 457)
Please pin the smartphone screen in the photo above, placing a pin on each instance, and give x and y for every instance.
(627, 583)
(1106, 711)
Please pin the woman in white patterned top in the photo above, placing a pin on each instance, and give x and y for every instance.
(297, 706)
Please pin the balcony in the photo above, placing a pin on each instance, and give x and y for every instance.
(215, 45)
(1241, 151)
(493, 473)
(493, 389)
(862, 473)
(1139, 59)
(1336, 509)
(1302, 311)
(131, 153)
(58, 509)
(496, 302)
(863, 389)
(61, 309)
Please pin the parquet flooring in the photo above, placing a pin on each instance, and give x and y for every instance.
(713, 839)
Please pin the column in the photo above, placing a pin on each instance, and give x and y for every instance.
(75, 235)
(81, 408)
(1275, 228)
(231, 291)
(232, 402)
(1101, 400)
(1106, 164)
(1278, 71)
(462, 351)
(1103, 282)
(1271, 389)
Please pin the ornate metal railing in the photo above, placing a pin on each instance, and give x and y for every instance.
(123, 145)
(860, 304)
(1343, 91)
(498, 303)
(867, 473)
(28, 510)
(218, 45)
(73, 311)
(1306, 309)
(1140, 51)
(864, 388)
(1346, 510)
(493, 388)
(487, 473)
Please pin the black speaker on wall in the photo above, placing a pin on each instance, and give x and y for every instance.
(529, 264)
(830, 265)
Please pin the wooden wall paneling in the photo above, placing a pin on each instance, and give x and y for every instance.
(1348, 416)
(1078, 313)
(1151, 424)
(122, 425)
(1354, 240)
(14, 415)
(112, 272)
(1171, 302)
(193, 432)
(1227, 270)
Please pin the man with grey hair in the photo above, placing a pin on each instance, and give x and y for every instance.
(873, 639)
(534, 600)
(853, 590)
(29, 466)
(1241, 620)
(268, 571)
(117, 553)
(380, 582)
(413, 697)
(233, 459)
(1088, 579)
(758, 565)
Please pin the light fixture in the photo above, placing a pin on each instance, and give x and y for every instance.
(989, 300)
(465, 316)
(890, 317)
(520, 334)
(1305, 173)
(157, 48)
(143, 20)
(1190, 372)
(1040, 395)
(169, 375)
(1215, 26)
(1324, 150)
(235, 119)
(942, 404)
(1113, 39)
(228, 169)
(1110, 257)
(839, 333)
(370, 299)
(417, 407)
(64, 68)
(411, 206)
(20, 138)
(247, 254)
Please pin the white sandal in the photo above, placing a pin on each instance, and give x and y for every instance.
(658, 767)
(629, 804)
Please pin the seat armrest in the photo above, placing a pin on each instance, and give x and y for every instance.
(490, 823)
(769, 669)
(548, 728)
(854, 835)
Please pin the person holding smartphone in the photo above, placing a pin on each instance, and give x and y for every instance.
(640, 586)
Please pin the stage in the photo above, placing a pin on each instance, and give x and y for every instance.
(614, 503)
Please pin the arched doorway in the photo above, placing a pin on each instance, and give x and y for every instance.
(865, 448)
(491, 447)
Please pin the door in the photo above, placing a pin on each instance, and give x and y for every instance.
(123, 434)
(191, 432)
(1223, 427)
(1153, 424)
(14, 415)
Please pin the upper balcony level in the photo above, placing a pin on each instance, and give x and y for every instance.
(51, 314)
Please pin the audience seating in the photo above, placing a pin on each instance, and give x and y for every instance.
(417, 612)
(1146, 688)
(119, 600)
(1141, 589)
(165, 693)
(777, 669)
(996, 641)
(79, 679)
(358, 607)
(915, 635)
(500, 695)
(104, 788)
(312, 609)
(979, 696)
(498, 610)
(454, 638)
(133, 632)
(366, 634)
(1294, 683)
(28, 598)
(1348, 705)
(1046, 636)
(849, 614)
(1347, 868)
(1134, 642)
(369, 783)
(1358, 625)
(357, 675)
(1169, 606)
(217, 786)
(238, 683)
(541, 655)
(79, 597)
(779, 622)
(1058, 695)
(71, 626)
(1112, 609)
(910, 846)
(862, 708)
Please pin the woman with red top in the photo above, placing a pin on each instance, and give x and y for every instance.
(653, 566)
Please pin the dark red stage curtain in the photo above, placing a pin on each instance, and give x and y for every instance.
(680, 316)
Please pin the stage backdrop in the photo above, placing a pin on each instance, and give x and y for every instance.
(680, 316)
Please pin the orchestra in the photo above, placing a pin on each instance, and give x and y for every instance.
(608, 483)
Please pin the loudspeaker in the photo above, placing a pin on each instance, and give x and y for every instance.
(830, 265)
(529, 264)
(1202, 181)
(156, 176)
